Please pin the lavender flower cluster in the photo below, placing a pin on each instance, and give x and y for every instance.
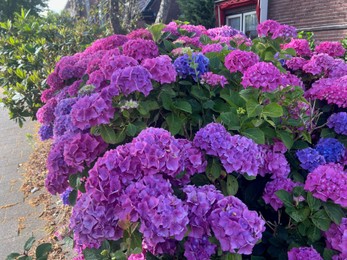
(338, 122)
(336, 238)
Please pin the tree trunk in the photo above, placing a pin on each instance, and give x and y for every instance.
(114, 12)
(163, 11)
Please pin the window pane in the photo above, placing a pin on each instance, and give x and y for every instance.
(235, 22)
(251, 23)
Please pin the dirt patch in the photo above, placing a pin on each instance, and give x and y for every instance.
(54, 213)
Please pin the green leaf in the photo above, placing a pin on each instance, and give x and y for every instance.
(255, 134)
(43, 250)
(232, 185)
(286, 138)
(175, 123)
(73, 197)
(204, 39)
(183, 106)
(231, 120)
(290, 51)
(93, 254)
(273, 110)
(156, 30)
(29, 243)
(73, 180)
(285, 197)
(321, 220)
(214, 170)
(313, 233)
(313, 203)
(136, 241)
(249, 94)
(131, 130)
(108, 134)
(198, 93)
(299, 215)
(12, 256)
(328, 254)
(166, 99)
(253, 108)
(334, 212)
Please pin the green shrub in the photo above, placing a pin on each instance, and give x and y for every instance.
(29, 48)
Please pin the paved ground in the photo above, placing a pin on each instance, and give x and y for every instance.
(14, 211)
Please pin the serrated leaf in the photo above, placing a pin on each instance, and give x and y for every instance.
(231, 120)
(253, 108)
(285, 197)
(43, 250)
(29, 243)
(312, 202)
(334, 212)
(108, 134)
(214, 170)
(273, 110)
(73, 197)
(313, 233)
(183, 106)
(299, 215)
(321, 220)
(232, 185)
(286, 138)
(131, 130)
(255, 134)
(175, 123)
(328, 254)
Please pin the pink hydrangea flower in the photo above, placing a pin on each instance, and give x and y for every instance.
(262, 75)
(140, 34)
(214, 47)
(334, 49)
(336, 237)
(301, 253)
(318, 64)
(214, 79)
(296, 63)
(301, 46)
(161, 69)
(240, 60)
(140, 49)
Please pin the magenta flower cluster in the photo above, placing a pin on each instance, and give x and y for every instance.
(334, 49)
(275, 30)
(328, 181)
(301, 47)
(240, 60)
(299, 253)
(336, 238)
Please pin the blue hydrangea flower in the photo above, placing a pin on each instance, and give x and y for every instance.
(310, 158)
(338, 121)
(65, 196)
(45, 132)
(193, 66)
(331, 149)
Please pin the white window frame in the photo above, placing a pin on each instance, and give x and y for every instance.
(244, 20)
(236, 16)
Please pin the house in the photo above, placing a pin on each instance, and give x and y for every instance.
(327, 19)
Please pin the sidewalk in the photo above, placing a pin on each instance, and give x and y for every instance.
(18, 220)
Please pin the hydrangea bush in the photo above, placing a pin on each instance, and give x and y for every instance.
(178, 142)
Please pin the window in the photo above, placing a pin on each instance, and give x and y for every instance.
(245, 22)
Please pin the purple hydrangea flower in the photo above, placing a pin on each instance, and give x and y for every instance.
(200, 201)
(240, 60)
(299, 253)
(92, 110)
(318, 64)
(111, 63)
(301, 46)
(272, 187)
(296, 63)
(161, 69)
(334, 49)
(331, 149)
(202, 249)
(131, 79)
(328, 181)
(310, 158)
(214, 47)
(46, 132)
(262, 75)
(336, 237)
(140, 49)
(236, 227)
(338, 122)
(214, 80)
(65, 196)
(45, 114)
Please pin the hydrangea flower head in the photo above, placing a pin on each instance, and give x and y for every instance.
(334, 49)
(301, 46)
(238, 60)
(338, 122)
(131, 79)
(202, 248)
(310, 158)
(140, 34)
(267, 27)
(194, 66)
(46, 132)
(296, 63)
(336, 237)
(262, 75)
(161, 69)
(111, 63)
(140, 49)
(319, 63)
(213, 47)
(328, 181)
(331, 149)
(299, 253)
(214, 79)
(236, 227)
(272, 187)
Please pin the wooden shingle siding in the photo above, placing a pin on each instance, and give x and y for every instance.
(312, 15)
